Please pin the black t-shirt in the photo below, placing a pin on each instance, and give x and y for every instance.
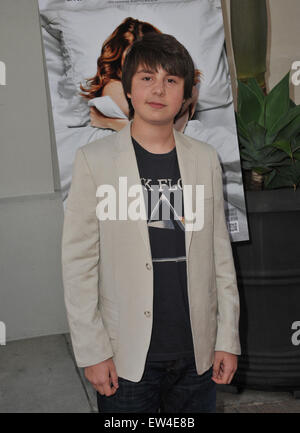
(160, 176)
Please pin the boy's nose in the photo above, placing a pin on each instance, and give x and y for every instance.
(159, 88)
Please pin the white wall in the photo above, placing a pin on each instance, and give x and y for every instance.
(31, 209)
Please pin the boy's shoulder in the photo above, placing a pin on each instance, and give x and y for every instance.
(106, 148)
(103, 147)
(200, 148)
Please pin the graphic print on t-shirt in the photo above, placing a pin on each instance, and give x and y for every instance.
(174, 218)
(164, 204)
(164, 207)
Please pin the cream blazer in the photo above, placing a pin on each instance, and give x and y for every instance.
(107, 265)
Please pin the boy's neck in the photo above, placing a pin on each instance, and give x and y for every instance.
(154, 138)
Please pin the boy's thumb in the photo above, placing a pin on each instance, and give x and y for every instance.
(216, 367)
(114, 378)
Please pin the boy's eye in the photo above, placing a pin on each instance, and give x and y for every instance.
(148, 78)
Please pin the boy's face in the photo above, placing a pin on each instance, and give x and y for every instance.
(156, 96)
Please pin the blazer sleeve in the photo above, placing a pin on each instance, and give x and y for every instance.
(226, 283)
(80, 260)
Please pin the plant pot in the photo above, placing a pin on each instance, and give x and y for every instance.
(268, 272)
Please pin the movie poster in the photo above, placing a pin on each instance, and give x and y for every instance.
(85, 45)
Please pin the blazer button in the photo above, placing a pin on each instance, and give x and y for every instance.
(148, 266)
(147, 313)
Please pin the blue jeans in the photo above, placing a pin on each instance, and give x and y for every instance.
(166, 386)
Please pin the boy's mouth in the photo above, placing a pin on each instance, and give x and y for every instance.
(156, 104)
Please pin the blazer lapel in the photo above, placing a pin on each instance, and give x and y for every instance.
(187, 167)
(127, 167)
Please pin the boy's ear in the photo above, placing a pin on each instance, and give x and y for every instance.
(128, 95)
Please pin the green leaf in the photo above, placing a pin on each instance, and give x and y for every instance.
(283, 124)
(296, 155)
(247, 165)
(287, 176)
(249, 105)
(275, 158)
(254, 86)
(247, 154)
(277, 102)
(269, 177)
(257, 134)
(242, 127)
(244, 142)
(292, 129)
(261, 170)
(295, 172)
(295, 143)
(285, 146)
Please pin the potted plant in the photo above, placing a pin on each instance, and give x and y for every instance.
(269, 136)
(268, 265)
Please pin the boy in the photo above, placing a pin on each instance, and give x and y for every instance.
(152, 303)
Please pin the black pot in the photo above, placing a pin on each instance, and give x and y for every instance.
(268, 271)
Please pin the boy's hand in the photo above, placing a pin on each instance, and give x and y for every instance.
(224, 368)
(102, 375)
